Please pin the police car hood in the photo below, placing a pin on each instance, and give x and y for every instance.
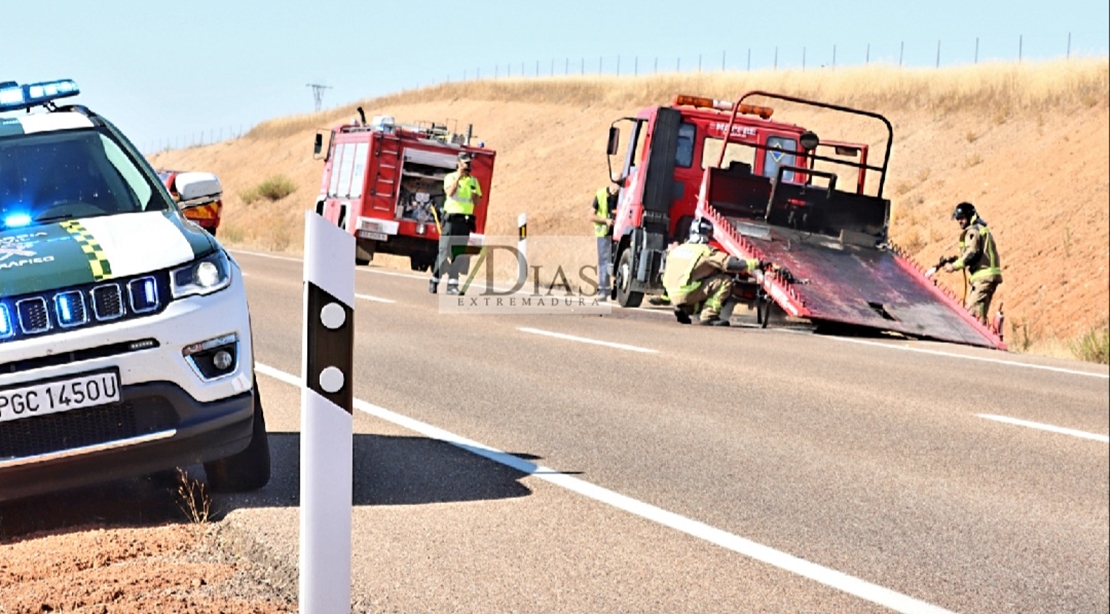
(81, 251)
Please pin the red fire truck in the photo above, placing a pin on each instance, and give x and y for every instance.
(754, 179)
(383, 183)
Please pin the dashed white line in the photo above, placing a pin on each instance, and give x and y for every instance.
(979, 358)
(377, 299)
(1047, 427)
(619, 346)
(824, 575)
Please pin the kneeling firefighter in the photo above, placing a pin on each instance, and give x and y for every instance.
(696, 273)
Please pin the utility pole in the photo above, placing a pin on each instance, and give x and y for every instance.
(318, 93)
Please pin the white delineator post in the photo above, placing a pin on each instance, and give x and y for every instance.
(326, 414)
(522, 247)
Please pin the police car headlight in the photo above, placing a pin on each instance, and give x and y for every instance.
(204, 276)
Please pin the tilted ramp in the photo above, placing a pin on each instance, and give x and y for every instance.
(859, 285)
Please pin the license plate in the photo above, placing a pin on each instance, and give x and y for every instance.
(377, 236)
(78, 392)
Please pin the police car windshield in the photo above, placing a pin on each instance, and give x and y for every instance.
(69, 174)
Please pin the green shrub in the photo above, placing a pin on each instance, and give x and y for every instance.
(274, 188)
(1094, 345)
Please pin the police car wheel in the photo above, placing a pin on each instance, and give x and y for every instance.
(250, 469)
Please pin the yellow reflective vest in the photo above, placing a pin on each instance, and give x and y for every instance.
(465, 196)
(602, 195)
(978, 252)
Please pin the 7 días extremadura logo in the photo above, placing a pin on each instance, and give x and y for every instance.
(555, 287)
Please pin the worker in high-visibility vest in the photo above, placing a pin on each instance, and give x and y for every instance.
(695, 273)
(979, 257)
(462, 192)
(602, 214)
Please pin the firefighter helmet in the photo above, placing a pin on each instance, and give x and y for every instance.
(964, 211)
(701, 231)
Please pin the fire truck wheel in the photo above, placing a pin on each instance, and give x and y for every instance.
(250, 469)
(625, 296)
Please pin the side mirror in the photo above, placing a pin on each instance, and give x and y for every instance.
(318, 145)
(809, 140)
(614, 140)
(197, 189)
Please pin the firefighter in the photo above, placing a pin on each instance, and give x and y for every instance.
(978, 257)
(462, 191)
(696, 273)
(602, 214)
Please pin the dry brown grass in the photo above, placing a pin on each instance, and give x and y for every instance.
(1007, 88)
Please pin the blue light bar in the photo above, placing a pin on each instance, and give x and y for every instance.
(16, 220)
(6, 329)
(14, 97)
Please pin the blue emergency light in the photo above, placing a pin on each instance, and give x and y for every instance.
(15, 220)
(71, 308)
(6, 328)
(14, 96)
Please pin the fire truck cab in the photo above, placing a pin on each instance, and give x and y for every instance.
(383, 183)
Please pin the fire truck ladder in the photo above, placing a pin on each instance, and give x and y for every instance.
(390, 161)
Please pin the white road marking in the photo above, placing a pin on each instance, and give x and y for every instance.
(1047, 427)
(620, 346)
(357, 269)
(829, 577)
(265, 255)
(367, 297)
(980, 358)
(395, 273)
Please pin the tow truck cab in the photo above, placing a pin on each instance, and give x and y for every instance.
(670, 152)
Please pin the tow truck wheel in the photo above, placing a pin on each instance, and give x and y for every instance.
(250, 469)
(625, 296)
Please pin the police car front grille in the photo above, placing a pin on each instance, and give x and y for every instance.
(44, 313)
(107, 301)
(33, 315)
(84, 427)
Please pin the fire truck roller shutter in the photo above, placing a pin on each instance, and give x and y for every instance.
(432, 158)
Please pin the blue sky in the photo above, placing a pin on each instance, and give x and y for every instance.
(168, 73)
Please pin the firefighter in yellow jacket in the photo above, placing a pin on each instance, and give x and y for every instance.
(979, 256)
(696, 273)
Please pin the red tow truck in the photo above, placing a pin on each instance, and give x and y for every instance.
(754, 179)
(383, 183)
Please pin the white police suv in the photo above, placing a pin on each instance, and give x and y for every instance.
(125, 336)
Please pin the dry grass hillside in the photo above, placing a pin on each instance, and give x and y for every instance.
(1028, 144)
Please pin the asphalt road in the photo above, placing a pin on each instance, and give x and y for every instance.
(623, 462)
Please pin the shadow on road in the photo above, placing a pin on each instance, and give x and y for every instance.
(388, 470)
(391, 470)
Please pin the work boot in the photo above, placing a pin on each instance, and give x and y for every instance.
(681, 315)
(659, 300)
(713, 321)
(453, 288)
